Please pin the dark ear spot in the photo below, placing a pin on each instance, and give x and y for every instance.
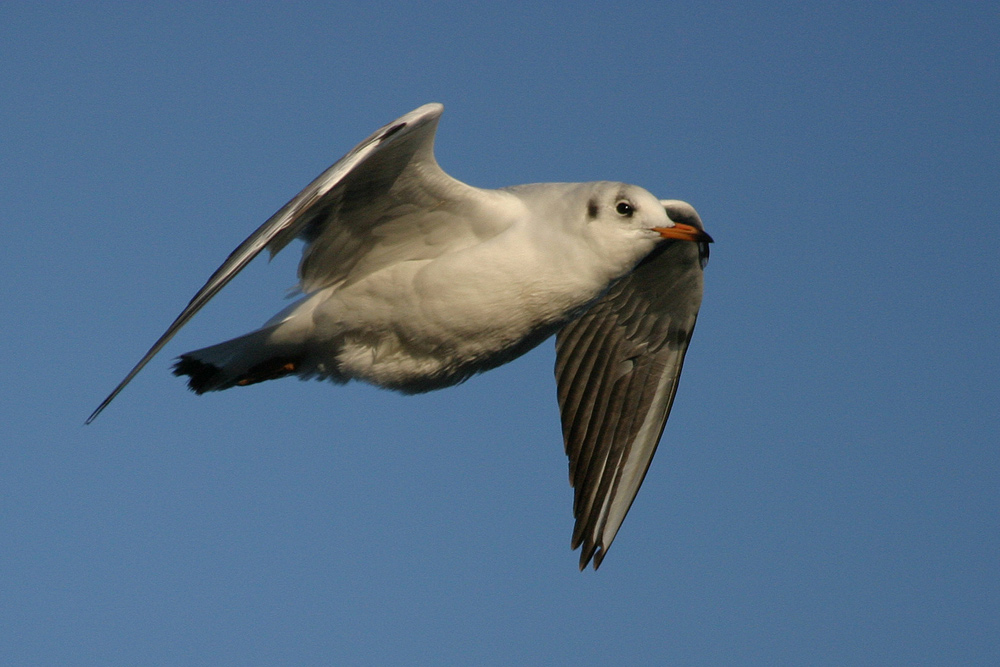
(592, 208)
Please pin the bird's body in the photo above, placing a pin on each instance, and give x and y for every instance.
(414, 281)
(442, 311)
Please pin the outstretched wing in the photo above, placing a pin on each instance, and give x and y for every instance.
(617, 369)
(401, 151)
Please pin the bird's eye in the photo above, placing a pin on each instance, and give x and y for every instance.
(624, 208)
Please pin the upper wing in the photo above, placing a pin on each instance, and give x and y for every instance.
(396, 204)
(617, 369)
(399, 151)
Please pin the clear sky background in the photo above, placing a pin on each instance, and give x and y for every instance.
(828, 488)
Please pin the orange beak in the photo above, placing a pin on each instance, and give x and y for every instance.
(681, 232)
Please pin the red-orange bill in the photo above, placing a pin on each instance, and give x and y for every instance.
(682, 232)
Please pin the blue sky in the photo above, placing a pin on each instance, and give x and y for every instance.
(828, 487)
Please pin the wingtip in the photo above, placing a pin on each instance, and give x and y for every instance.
(93, 415)
(592, 557)
(107, 401)
(590, 552)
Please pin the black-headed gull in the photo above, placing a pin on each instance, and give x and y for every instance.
(414, 281)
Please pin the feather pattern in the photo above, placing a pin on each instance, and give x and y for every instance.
(617, 368)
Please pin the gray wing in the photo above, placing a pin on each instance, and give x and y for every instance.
(617, 369)
(399, 151)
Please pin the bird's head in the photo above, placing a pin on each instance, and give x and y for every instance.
(628, 220)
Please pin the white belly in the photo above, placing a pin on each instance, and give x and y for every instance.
(422, 325)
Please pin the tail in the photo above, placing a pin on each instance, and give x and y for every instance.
(254, 357)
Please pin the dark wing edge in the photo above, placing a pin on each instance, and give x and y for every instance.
(617, 370)
(280, 229)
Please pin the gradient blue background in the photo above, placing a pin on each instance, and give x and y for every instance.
(828, 488)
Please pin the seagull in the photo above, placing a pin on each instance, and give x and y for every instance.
(413, 281)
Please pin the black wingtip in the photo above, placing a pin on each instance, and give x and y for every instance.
(93, 415)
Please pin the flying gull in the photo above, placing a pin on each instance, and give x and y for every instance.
(414, 281)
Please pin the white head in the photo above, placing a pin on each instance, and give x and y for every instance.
(625, 222)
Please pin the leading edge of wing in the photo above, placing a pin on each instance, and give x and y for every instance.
(271, 231)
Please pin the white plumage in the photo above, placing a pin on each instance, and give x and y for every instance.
(414, 281)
